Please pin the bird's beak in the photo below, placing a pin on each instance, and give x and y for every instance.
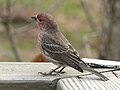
(34, 17)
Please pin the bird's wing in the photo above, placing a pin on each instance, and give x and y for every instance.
(64, 40)
(62, 53)
(54, 48)
(71, 48)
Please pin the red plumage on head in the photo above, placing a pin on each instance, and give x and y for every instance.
(45, 21)
(40, 15)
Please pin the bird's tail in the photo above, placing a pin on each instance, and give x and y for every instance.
(104, 78)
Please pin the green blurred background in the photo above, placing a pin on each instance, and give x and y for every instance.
(70, 16)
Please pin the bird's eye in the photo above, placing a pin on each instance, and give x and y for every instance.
(40, 20)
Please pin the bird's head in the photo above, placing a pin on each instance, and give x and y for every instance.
(45, 21)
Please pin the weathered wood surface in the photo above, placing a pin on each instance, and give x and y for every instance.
(90, 83)
(24, 76)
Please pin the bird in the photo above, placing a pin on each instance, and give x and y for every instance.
(57, 49)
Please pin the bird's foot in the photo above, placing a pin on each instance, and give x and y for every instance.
(47, 74)
(53, 72)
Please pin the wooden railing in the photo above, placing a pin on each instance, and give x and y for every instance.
(24, 76)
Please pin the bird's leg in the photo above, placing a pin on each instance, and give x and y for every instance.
(54, 70)
(61, 70)
(50, 73)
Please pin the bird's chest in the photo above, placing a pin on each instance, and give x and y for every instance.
(43, 39)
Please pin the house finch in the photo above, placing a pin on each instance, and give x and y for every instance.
(57, 48)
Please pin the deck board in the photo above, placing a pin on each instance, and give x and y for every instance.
(24, 76)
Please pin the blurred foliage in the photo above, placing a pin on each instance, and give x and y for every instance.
(70, 17)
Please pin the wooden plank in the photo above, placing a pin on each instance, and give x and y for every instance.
(88, 83)
(17, 75)
(24, 76)
(91, 82)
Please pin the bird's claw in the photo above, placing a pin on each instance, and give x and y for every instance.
(43, 73)
(47, 74)
(53, 72)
